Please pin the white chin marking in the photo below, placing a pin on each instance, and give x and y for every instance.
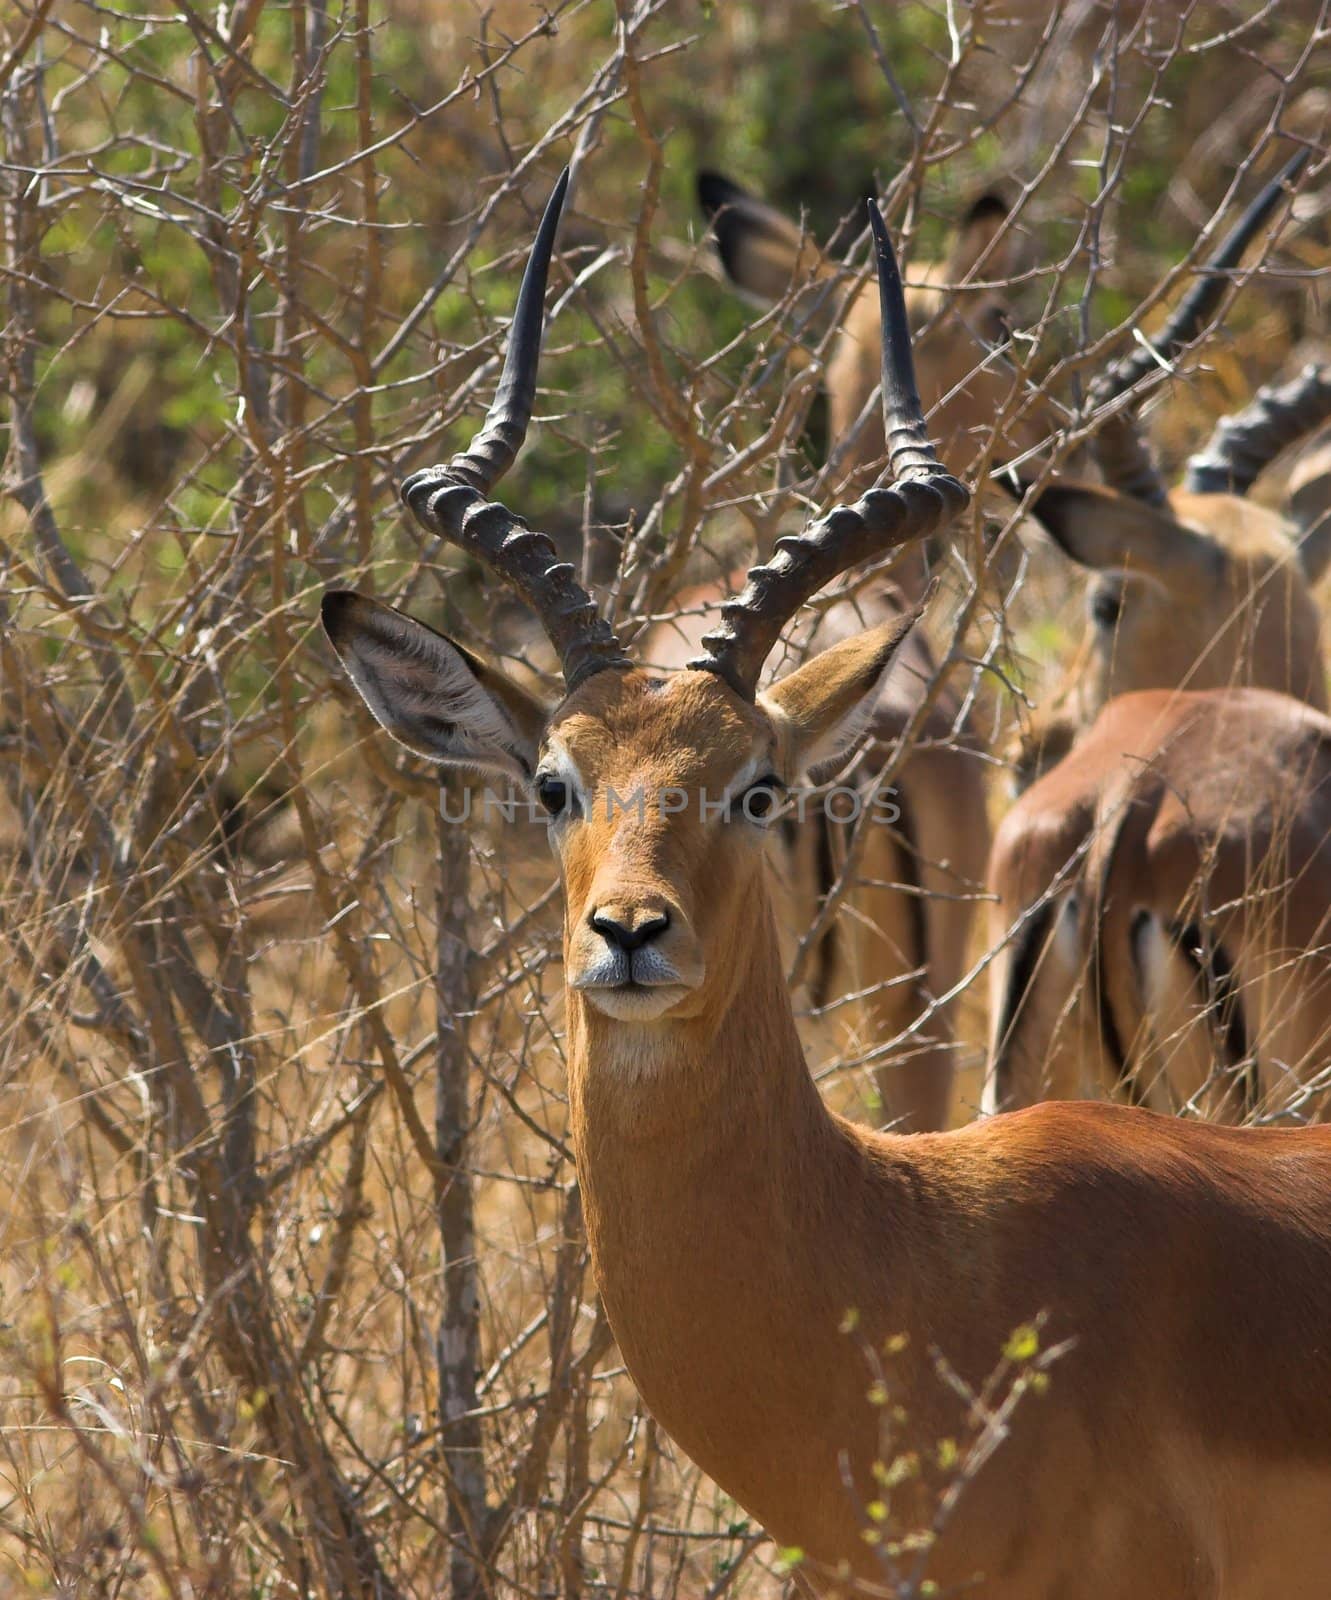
(636, 1005)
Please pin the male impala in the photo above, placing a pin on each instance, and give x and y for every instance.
(1184, 1445)
(1163, 893)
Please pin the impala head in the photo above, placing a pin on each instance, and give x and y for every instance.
(766, 254)
(1205, 591)
(1198, 588)
(657, 788)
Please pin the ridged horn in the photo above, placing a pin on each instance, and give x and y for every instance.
(1124, 458)
(922, 498)
(452, 500)
(1241, 447)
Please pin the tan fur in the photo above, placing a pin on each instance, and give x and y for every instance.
(1210, 593)
(1209, 811)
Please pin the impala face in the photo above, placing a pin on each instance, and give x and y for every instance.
(658, 789)
(961, 392)
(1206, 593)
(766, 253)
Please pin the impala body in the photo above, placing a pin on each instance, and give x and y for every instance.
(1162, 891)
(1183, 1447)
(1168, 887)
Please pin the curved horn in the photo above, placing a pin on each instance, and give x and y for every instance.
(1202, 300)
(1241, 447)
(923, 497)
(1124, 458)
(451, 501)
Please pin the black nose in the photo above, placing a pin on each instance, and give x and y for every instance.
(626, 938)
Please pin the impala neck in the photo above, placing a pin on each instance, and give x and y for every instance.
(710, 1172)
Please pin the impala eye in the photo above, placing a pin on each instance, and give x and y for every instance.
(759, 800)
(553, 794)
(1107, 605)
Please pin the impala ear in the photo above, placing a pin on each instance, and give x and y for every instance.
(823, 708)
(762, 251)
(975, 233)
(1112, 532)
(429, 693)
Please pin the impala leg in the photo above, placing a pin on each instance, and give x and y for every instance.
(1177, 1058)
(899, 954)
(1286, 993)
(1047, 1040)
(889, 936)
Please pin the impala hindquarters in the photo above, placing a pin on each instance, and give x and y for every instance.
(1183, 1448)
(1163, 911)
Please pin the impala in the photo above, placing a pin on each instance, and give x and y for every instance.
(1183, 1447)
(964, 385)
(903, 955)
(1197, 587)
(1166, 885)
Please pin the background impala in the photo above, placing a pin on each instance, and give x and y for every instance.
(1166, 883)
